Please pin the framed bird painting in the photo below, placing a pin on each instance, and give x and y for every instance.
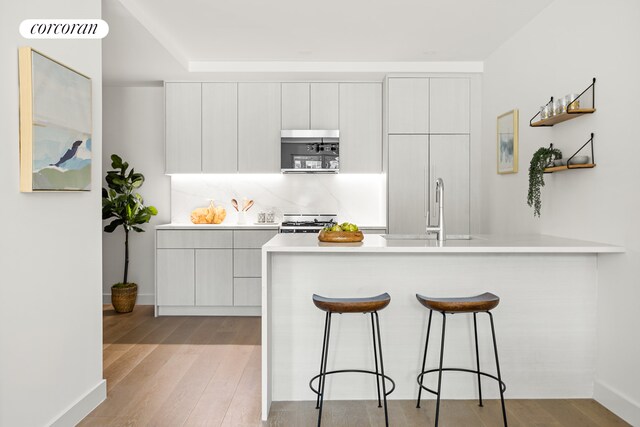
(55, 125)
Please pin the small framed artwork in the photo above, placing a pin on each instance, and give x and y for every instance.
(508, 142)
(55, 125)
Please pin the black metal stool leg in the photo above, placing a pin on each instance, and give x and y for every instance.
(475, 331)
(323, 368)
(495, 348)
(324, 346)
(444, 324)
(384, 386)
(424, 358)
(375, 357)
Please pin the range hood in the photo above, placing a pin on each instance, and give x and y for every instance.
(310, 151)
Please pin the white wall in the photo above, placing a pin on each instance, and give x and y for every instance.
(50, 250)
(134, 129)
(557, 53)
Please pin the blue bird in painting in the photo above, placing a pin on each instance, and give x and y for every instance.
(69, 154)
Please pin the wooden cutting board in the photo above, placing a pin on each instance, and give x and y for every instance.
(340, 236)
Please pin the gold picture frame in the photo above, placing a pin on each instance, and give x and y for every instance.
(507, 142)
(55, 125)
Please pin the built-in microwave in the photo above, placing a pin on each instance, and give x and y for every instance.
(310, 151)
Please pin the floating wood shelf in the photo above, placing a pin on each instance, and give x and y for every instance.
(572, 112)
(563, 117)
(564, 168)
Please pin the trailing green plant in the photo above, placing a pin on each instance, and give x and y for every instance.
(539, 162)
(121, 202)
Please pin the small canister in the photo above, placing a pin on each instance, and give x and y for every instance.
(544, 112)
(573, 103)
(563, 104)
(262, 217)
(557, 107)
(270, 217)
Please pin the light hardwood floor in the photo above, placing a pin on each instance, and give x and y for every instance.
(205, 371)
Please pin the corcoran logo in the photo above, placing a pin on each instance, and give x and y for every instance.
(64, 28)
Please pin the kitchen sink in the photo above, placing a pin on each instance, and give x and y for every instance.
(427, 237)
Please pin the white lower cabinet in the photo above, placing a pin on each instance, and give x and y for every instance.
(175, 277)
(214, 277)
(247, 262)
(209, 272)
(247, 291)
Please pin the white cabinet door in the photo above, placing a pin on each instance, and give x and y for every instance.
(214, 277)
(408, 105)
(183, 130)
(324, 106)
(219, 127)
(175, 277)
(259, 127)
(449, 112)
(449, 160)
(408, 187)
(247, 291)
(295, 105)
(247, 262)
(360, 128)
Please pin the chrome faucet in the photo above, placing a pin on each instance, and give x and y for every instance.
(439, 227)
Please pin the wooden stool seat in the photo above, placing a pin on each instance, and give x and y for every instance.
(352, 305)
(484, 302)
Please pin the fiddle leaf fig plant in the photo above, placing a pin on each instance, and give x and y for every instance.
(539, 162)
(121, 202)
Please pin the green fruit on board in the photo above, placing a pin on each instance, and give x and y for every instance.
(345, 226)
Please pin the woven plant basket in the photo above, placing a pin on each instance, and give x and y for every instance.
(124, 299)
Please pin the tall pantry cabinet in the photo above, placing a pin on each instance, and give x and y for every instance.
(428, 131)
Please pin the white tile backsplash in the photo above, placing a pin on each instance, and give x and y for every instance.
(357, 198)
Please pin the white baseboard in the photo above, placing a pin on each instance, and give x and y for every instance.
(82, 407)
(616, 402)
(143, 299)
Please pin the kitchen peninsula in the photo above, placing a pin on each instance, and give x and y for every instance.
(546, 322)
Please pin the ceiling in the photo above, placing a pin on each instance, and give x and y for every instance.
(176, 37)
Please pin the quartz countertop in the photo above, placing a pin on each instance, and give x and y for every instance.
(232, 226)
(223, 226)
(477, 244)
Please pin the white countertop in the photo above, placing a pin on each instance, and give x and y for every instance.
(232, 226)
(478, 244)
(223, 226)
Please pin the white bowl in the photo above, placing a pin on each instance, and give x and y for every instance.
(580, 160)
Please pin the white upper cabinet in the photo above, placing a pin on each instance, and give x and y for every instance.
(310, 105)
(259, 125)
(360, 127)
(219, 127)
(183, 141)
(408, 105)
(325, 106)
(295, 105)
(449, 109)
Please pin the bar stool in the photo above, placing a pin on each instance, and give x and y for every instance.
(477, 304)
(352, 305)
